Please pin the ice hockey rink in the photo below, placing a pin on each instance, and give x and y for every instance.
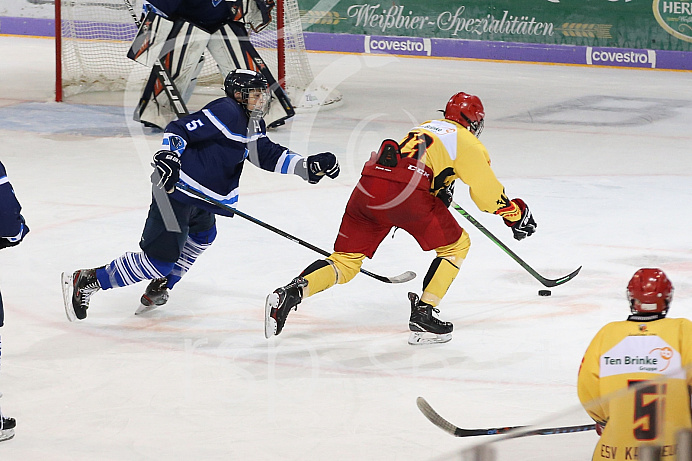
(601, 155)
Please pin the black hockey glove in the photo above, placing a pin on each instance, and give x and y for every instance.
(526, 225)
(6, 242)
(322, 164)
(167, 170)
(446, 194)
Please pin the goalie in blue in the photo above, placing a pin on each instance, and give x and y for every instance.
(206, 151)
(177, 33)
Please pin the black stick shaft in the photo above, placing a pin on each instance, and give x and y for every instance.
(405, 277)
(545, 281)
(435, 418)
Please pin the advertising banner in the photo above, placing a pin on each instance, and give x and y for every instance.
(655, 34)
(630, 24)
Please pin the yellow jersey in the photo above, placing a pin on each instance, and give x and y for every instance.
(651, 358)
(451, 151)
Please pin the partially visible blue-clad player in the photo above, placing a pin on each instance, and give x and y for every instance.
(206, 150)
(13, 229)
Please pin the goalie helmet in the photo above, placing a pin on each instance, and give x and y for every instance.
(467, 110)
(649, 292)
(244, 81)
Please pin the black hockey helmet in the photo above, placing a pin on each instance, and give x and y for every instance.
(243, 81)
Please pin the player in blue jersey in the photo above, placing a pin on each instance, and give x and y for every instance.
(13, 229)
(206, 151)
(178, 32)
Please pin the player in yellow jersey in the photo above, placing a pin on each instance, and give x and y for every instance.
(409, 185)
(649, 354)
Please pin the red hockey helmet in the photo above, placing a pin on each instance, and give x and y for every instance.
(649, 291)
(467, 110)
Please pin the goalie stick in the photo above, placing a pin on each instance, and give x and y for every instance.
(446, 426)
(545, 281)
(401, 278)
(163, 76)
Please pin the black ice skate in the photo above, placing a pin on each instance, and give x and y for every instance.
(280, 303)
(154, 296)
(77, 288)
(7, 426)
(426, 329)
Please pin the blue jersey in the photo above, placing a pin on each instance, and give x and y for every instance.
(207, 14)
(213, 145)
(11, 222)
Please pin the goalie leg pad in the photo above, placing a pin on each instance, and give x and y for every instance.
(232, 49)
(147, 45)
(182, 56)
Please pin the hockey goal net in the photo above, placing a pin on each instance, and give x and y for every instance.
(93, 37)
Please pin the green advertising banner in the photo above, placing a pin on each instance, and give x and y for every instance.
(638, 24)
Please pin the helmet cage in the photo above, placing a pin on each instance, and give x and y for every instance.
(261, 106)
(246, 82)
(474, 127)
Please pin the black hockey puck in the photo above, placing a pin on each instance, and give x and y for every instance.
(544, 293)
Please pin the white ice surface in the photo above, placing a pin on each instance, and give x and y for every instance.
(601, 155)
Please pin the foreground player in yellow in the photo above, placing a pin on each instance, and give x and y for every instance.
(651, 355)
(409, 185)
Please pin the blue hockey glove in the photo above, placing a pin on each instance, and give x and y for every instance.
(167, 170)
(322, 164)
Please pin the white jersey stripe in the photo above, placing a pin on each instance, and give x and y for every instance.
(226, 132)
(230, 199)
(287, 162)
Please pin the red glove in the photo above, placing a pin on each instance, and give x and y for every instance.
(599, 428)
(526, 225)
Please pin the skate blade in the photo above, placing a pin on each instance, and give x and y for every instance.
(270, 323)
(6, 434)
(417, 338)
(142, 309)
(67, 290)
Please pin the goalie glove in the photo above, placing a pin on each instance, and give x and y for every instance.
(255, 13)
(526, 225)
(167, 170)
(319, 165)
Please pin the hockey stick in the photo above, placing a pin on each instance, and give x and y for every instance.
(446, 426)
(163, 76)
(546, 282)
(401, 278)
